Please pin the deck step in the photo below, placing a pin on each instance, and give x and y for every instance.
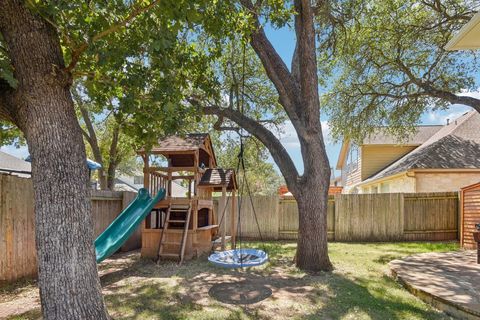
(177, 221)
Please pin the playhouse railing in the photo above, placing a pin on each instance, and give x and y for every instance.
(156, 181)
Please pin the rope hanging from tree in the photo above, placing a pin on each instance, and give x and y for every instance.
(240, 257)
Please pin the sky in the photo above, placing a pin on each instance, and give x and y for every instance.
(284, 42)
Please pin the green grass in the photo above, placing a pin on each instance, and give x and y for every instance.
(358, 288)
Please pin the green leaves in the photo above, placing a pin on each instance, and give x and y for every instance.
(377, 55)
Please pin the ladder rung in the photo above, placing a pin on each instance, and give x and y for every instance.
(176, 221)
(170, 243)
(170, 255)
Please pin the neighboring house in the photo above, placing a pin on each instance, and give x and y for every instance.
(434, 159)
(334, 188)
(131, 183)
(468, 37)
(13, 165)
(135, 182)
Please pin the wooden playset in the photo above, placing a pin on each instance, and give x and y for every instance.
(186, 226)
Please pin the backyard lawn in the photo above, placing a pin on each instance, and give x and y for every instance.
(359, 288)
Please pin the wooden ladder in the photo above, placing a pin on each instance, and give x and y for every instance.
(183, 242)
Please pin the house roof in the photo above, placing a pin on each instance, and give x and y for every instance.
(218, 178)
(11, 164)
(454, 146)
(421, 135)
(382, 137)
(468, 37)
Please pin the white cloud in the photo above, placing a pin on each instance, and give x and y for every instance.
(441, 116)
(473, 94)
(289, 138)
(452, 112)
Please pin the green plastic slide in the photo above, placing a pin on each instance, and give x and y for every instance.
(125, 224)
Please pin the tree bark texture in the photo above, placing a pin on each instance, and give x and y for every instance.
(42, 107)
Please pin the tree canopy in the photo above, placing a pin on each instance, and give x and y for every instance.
(389, 64)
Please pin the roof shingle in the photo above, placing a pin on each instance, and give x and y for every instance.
(454, 146)
(218, 178)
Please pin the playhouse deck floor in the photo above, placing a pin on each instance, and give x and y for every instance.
(449, 280)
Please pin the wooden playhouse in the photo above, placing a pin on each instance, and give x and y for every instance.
(183, 226)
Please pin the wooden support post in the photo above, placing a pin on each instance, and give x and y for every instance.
(169, 184)
(233, 221)
(223, 209)
(146, 185)
(146, 172)
(189, 188)
(195, 216)
(196, 156)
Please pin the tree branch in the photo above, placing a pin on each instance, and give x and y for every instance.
(77, 52)
(275, 67)
(91, 135)
(278, 152)
(439, 93)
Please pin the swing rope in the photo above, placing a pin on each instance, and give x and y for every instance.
(243, 252)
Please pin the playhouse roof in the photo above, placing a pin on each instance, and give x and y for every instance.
(190, 142)
(218, 178)
(183, 144)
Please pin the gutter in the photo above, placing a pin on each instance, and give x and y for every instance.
(468, 27)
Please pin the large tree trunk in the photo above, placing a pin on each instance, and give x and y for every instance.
(312, 246)
(42, 107)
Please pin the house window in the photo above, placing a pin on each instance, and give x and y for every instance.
(352, 160)
(374, 189)
(138, 180)
(385, 187)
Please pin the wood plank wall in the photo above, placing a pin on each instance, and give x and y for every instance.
(369, 217)
(17, 236)
(17, 224)
(361, 217)
(470, 215)
(430, 216)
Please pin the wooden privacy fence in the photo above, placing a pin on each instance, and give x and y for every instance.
(359, 217)
(17, 221)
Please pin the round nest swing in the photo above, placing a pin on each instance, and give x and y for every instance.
(239, 258)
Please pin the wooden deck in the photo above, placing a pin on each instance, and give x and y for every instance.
(449, 281)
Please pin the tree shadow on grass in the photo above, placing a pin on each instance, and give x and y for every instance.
(324, 296)
(360, 299)
(35, 314)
